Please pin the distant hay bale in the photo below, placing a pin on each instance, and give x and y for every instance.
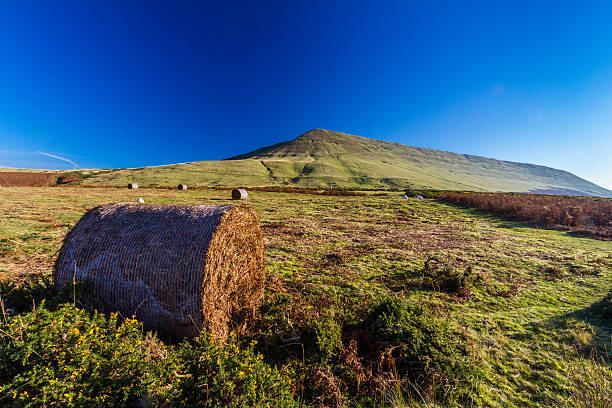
(179, 269)
(239, 194)
(182, 187)
(139, 200)
(132, 186)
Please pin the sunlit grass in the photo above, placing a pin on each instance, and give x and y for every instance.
(531, 301)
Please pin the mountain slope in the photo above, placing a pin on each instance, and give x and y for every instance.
(322, 157)
(339, 157)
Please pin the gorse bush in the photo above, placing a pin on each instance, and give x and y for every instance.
(69, 357)
(215, 376)
(324, 336)
(425, 350)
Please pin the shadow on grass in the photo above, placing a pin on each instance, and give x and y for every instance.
(508, 223)
(588, 330)
(28, 295)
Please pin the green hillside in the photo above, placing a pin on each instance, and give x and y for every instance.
(322, 157)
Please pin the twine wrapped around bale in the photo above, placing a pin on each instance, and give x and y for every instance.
(182, 187)
(239, 194)
(179, 269)
(132, 186)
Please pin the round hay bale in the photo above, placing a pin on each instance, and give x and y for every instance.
(182, 187)
(132, 186)
(239, 194)
(179, 269)
(139, 200)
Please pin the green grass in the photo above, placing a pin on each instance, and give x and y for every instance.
(529, 319)
(321, 157)
(205, 173)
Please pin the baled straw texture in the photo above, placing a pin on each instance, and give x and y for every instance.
(179, 269)
(239, 194)
(182, 187)
(132, 186)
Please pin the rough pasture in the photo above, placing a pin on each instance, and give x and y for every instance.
(521, 303)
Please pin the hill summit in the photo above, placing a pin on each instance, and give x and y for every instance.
(348, 160)
(321, 157)
(321, 143)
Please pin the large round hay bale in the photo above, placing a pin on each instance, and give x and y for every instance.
(239, 194)
(182, 187)
(179, 269)
(132, 186)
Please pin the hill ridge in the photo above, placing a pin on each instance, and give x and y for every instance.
(320, 157)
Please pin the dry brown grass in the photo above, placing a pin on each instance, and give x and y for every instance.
(589, 216)
(327, 389)
(26, 179)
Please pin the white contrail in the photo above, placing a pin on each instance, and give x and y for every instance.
(59, 158)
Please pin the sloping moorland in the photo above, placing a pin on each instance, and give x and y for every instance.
(319, 158)
(370, 301)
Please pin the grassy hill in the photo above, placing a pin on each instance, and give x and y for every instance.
(321, 157)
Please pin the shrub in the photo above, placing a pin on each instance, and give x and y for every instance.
(410, 192)
(71, 358)
(442, 276)
(215, 376)
(325, 388)
(325, 336)
(425, 350)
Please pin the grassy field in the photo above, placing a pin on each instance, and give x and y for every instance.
(521, 305)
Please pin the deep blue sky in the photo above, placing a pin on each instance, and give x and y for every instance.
(128, 84)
